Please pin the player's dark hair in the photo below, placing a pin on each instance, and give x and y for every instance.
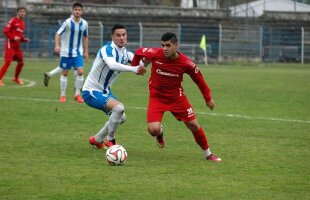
(77, 5)
(21, 8)
(117, 26)
(169, 37)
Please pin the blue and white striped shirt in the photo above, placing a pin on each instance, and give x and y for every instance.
(72, 34)
(101, 77)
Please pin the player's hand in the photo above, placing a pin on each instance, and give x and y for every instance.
(211, 104)
(57, 50)
(86, 56)
(17, 38)
(26, 40)
(141, 70)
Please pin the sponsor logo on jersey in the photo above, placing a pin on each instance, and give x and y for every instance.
(160, 63)
(20, 30)
(158, 71)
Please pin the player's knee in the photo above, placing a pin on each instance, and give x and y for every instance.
(20, 63)
(80, 71)
(117, 113)
(123, 118)
(154, 130)
(119, 108)
(193, 125)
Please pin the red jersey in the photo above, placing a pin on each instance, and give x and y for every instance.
(15, 27)
(167, 75)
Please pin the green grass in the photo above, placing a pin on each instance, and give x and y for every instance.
(260, 128)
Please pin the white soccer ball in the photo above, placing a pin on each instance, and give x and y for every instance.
(116, 155)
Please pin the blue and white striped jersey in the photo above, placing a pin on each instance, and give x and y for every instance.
(101, 77)
(72, 34)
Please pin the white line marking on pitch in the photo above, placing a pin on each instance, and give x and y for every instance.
(29, 84)
(240, 116)
(200, 113)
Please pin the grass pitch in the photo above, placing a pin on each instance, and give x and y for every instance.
(260, 128)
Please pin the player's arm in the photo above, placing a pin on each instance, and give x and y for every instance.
(8, 30)
(57, 43)
(197, 77)
(142, 56)
(110, 61)
(141, 62)
(86, 43)
(59, 32)
(85, 47)
(24, 39)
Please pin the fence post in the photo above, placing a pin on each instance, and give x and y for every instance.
(5, 11)
(302, 44)
(141, 34)
(180, 29)
(220, 44)
(261, 43)
(101, 33)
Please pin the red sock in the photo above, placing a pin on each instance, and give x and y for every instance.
(18, 69)
(201, 139)
(4, 68)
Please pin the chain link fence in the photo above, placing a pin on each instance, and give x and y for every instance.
(224, 42)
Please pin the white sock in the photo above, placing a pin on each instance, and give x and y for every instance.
(102, 133)
(78, 84)
(115, 120)
(75, 74)
(207, 152)
(55, 71)
(63, 85)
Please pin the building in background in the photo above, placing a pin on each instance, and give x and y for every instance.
(257, 8)
(206, 4)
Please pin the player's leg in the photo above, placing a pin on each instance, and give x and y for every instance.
(103, 133)
(98, 100)
(201, 139)
(183, 111)
(156, 130)
(78, 66)
(155, 114)
(20, 63)
(117, 109)
(79, 84)
(8, 57)
(48, 75)
(65, 65)
(63, 85)
(3, 70)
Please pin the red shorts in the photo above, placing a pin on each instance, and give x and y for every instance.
(181, 109)
(13, 54)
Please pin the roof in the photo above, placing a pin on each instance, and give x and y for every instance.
(257, 8)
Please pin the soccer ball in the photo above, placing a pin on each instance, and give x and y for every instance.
(116, 155)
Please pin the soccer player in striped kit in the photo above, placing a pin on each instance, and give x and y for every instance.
(71, 42)
(166, 91)
(14, 31)
(111, 59)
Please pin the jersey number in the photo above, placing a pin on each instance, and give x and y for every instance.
(190, 111)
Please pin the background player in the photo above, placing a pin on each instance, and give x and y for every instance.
(111, 59)
(73, 34)
(166, 92)
(14, 32)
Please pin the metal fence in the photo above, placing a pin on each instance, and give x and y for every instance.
(224, 42)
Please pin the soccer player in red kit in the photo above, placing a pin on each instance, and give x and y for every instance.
(166, 92)
(14, 32)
